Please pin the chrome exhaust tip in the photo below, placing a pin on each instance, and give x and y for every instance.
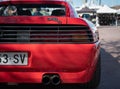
(55, 80)
(46, 80)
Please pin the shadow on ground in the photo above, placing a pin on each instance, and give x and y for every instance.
(110, 75)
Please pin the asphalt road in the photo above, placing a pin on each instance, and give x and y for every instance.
(110, 43)
(110, 55)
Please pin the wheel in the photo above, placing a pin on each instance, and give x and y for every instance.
(96, 77)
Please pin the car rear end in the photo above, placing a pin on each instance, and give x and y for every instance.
(47, 49)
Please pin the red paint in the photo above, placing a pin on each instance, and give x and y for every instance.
(75, 63)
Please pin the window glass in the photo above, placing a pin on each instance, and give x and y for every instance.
(32, 10)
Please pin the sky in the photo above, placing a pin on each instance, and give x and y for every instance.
(78, 3)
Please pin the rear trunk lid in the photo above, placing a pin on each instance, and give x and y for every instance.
(32, 20)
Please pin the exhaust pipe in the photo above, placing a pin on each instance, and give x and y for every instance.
(46, 79)
(55, 80)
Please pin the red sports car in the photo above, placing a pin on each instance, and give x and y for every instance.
(45, 42)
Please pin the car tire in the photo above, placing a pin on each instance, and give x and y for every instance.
(93, 84)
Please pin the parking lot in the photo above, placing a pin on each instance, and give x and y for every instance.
(110, 43)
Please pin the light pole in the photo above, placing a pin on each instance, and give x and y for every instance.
(84, 1)
(99, 2)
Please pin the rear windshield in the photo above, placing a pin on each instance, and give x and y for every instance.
(33, 10)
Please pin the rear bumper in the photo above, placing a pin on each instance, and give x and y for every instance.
(36, 77)
(74, 63)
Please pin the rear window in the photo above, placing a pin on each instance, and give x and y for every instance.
(33, 10)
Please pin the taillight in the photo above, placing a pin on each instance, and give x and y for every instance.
(47, 34)
(81, 37)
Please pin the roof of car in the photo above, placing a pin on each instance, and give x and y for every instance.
(22, 1)
(33, 0)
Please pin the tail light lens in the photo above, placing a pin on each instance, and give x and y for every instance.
(47, 34)
(81, 37)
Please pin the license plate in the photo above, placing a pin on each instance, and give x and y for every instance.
(13, 58)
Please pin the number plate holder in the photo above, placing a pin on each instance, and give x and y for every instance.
(14, 58)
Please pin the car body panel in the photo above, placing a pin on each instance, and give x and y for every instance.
(33, 20)
(74, 63)
(49, 58)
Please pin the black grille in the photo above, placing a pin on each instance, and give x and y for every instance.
(45, 34)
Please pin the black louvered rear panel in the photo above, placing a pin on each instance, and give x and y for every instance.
(45, 34)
